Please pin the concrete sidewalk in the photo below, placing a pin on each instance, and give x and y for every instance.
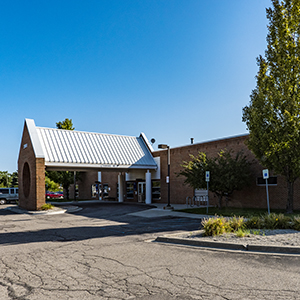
(162, 211)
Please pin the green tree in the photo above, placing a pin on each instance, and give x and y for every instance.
(67, 124)
(65, 178)
(5, 179)
(50, 185)
(273, 115)
(228, 172)
(14, 179)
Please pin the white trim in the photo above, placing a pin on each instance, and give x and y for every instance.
(35, 139)
(96, 166)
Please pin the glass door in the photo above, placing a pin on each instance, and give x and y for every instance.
(141, 191)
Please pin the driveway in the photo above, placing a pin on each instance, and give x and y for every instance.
(105, 251)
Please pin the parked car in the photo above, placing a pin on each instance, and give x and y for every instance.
(54, 195)
(9, 195)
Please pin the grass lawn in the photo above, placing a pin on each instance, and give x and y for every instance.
(239, 212)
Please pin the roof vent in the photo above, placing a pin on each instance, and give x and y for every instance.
(192, 141)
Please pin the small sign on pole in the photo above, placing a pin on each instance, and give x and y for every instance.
(266, 176)
(207, 176)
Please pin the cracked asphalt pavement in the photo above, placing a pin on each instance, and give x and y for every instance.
(103, 253)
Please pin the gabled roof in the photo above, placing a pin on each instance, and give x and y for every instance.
(63, 149)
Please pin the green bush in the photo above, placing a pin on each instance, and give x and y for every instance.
(242, 232)
(276, 221)
(236, 223)
(47, 206)
(271, 221)
(296, 223)
(215, 226)
(254, 222)
(220, 225)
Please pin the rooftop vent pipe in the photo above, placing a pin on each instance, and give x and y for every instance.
(192, 141)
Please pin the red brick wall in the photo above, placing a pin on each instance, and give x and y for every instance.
(251, 196)
(89, 178)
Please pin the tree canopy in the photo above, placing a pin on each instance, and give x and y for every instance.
(67, 124)
(8, 179)
(273, 115)
(228, 172)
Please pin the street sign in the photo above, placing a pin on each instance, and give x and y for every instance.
(266, 174)
(207, 176)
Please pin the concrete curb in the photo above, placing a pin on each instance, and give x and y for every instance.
(53, 211)
(179, 239)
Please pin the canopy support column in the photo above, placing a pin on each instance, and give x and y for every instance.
(148, 188)
(121, 187)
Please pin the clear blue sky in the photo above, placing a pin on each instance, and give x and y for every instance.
(173, 69)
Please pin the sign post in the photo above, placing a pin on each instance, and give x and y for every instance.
(266, 176)
(207, 174)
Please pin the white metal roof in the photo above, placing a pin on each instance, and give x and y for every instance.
(77, 149)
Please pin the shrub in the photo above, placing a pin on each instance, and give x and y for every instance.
(47, 206)
(242, 232)
(296, 223)
(254, 222)
(236, 223)
(215, 226)
(220, 225)
(276, 221)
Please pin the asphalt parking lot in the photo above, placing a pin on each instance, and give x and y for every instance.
(105, 252)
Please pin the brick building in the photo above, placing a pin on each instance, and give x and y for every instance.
(128, 169)
(253, 195)
(65, 150)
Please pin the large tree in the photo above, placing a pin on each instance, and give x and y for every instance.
(273, 115)
(229, 172)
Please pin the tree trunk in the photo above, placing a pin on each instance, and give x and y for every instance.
(290, 199)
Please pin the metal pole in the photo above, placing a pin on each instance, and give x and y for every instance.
(207, 198)
(267, 196)
(169, 177)
(75, 185)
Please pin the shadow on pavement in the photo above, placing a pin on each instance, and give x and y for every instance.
(118, 223)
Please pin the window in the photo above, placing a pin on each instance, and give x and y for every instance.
(129, 190)
(4, 191)
(260, 181)
(156, 190)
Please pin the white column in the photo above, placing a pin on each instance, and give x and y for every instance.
(121, 187)
(148, 188)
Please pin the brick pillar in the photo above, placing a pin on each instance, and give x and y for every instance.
(31, 171)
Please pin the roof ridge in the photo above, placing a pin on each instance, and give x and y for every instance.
(88, 132)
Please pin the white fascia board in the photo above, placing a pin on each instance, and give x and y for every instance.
(96, 166)
(146, 141)
(35, 140)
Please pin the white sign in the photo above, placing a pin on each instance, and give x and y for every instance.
(266, 174)
(167, 179)
(207, 175)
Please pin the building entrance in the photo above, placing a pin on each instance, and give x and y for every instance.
(141, 191)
